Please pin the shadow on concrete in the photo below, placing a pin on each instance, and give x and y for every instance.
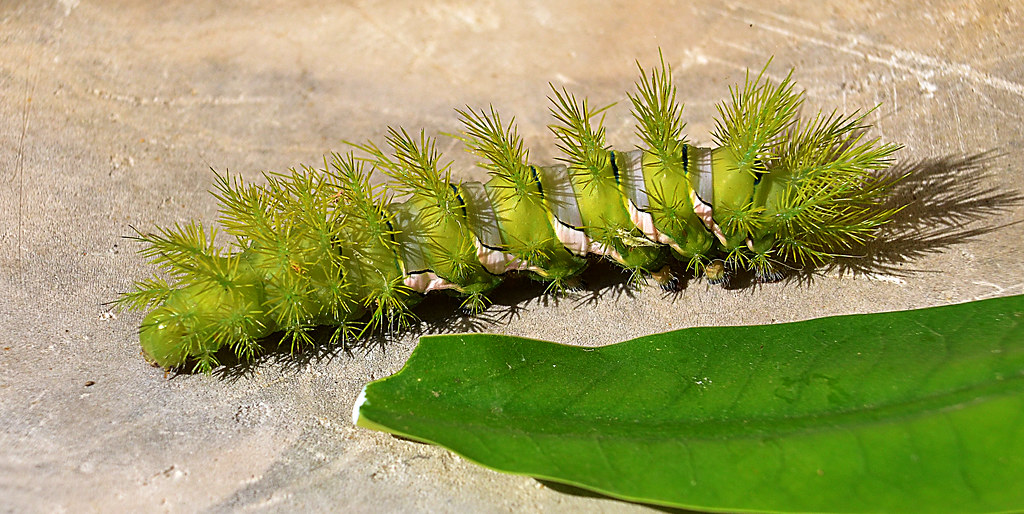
(586, 493)
(947, 203)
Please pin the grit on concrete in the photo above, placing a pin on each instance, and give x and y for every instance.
(114, 112)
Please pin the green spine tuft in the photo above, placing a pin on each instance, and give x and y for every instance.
(754, 119)
(659, 118)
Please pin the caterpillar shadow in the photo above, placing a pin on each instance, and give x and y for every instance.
(946, 201)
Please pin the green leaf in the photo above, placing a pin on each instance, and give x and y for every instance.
(906, 411)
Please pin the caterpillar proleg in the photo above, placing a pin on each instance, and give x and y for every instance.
(326, 246)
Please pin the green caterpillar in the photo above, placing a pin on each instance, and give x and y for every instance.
(327, 247)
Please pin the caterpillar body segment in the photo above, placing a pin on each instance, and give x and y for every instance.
(326, 247)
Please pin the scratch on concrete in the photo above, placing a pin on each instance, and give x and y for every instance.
(959, 123)
(30, 86)
(882, 277)
(998, 290)
(923, 67)
(416, 49)
(68, 5)
(180, 100)
(696, 57)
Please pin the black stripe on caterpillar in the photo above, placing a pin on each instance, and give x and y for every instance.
(328, 247)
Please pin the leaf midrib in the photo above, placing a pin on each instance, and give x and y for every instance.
(723, 428)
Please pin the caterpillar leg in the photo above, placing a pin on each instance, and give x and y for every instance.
(667, 279)
(716, 273)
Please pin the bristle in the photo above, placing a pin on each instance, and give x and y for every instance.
(536, 251)
(659, 118)
(459, 260)
(501, 147)
(184, 250)
(415, 166)
(747, 219)
(245, 211)
(751, 123)
(388, 309)
(288, 299)
(474, 304)
(145, 294)
(672, 211)
(344, 334)
(584, 146)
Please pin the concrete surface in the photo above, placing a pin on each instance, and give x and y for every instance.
(113, 112)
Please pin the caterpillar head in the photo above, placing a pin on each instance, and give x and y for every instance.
(161, 334)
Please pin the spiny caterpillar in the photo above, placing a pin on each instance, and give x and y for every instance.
(327, 247)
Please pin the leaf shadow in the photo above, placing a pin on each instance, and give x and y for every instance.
(587, 493)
